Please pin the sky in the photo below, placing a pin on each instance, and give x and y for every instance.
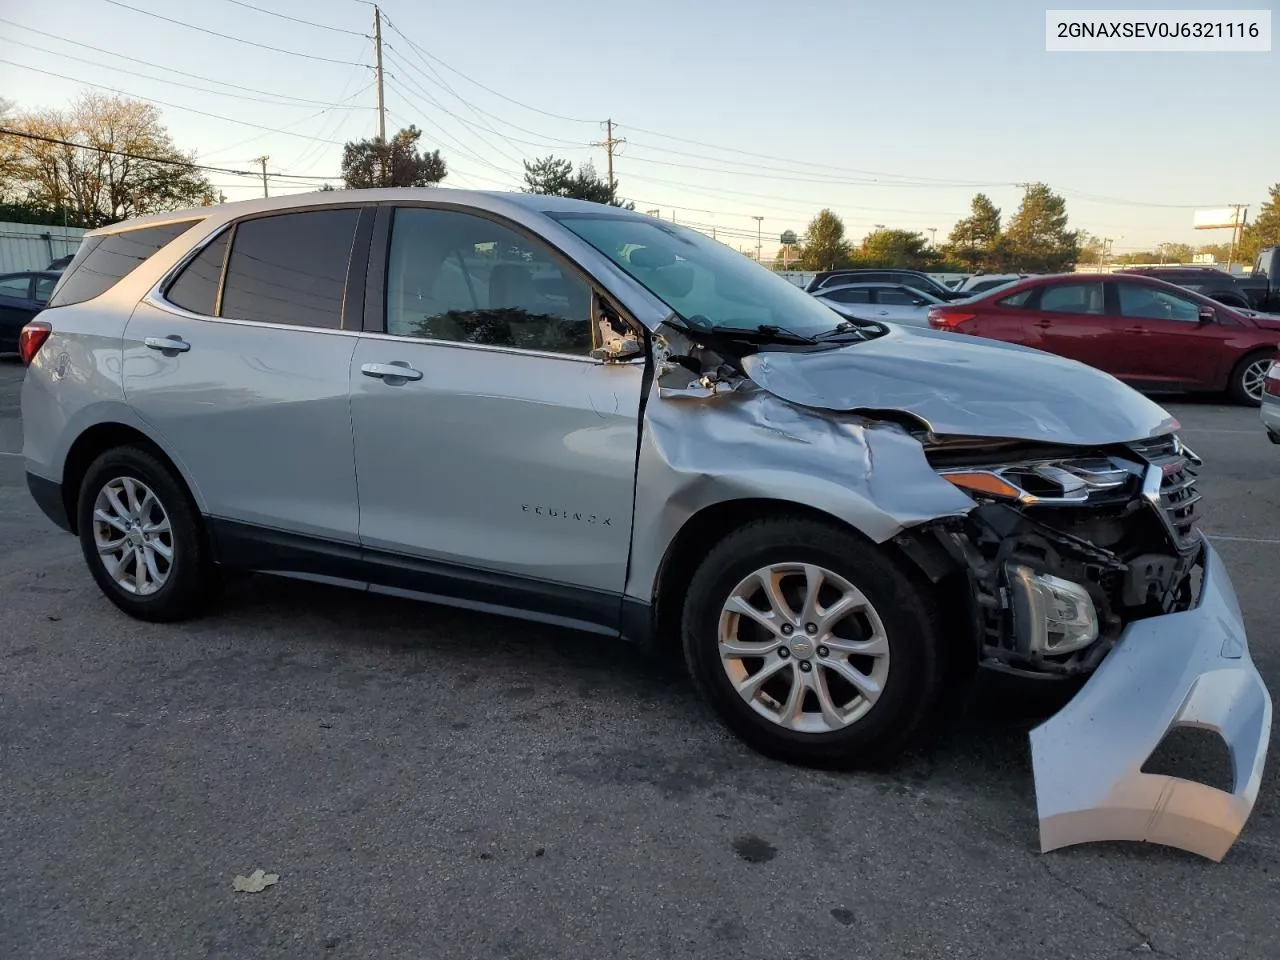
(888, 113)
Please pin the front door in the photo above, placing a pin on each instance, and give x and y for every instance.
(1168, 343)
(488, 441)
(246, 381)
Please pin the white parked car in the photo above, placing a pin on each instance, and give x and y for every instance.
(982, 282)
(894, 302)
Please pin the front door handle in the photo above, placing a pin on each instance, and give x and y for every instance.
(172, 342)
(395, 371)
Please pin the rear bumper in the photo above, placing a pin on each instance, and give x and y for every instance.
(1186, 669)
(1270, 414)
(48, 497)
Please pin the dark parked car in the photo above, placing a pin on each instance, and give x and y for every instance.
(910, 278)
(1207, 281)
(22, 296)
(1263, 285)
(1150, 334)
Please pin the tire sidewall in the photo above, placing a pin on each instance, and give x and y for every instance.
(900, 607)
(1236, 388)
(182, 584)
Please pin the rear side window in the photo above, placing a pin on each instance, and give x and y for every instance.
(290, 269)
(102, 262)
(196, 288)
(862, 295)
(1019, 299)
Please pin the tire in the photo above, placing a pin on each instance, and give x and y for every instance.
(1241, 377)
(171, 590)
(905, 613)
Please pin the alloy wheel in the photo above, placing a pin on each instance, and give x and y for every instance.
(803, 647)
(1254, 377)
(133, 536)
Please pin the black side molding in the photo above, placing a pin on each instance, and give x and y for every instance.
(250, 547)
(48, 497)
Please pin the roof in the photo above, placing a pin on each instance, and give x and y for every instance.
(482, 198)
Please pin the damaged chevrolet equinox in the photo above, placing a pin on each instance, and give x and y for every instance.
(583, 416)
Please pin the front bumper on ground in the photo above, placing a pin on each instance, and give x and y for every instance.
(1189, 669)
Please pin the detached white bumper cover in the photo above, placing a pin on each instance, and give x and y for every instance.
(1187, 669)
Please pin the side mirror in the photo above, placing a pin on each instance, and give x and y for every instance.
(917, 302)
(1207, 314)
(616, 349)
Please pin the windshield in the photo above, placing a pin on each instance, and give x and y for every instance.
(700, 278)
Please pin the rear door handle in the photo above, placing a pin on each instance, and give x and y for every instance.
(172, 342)
(396, 370)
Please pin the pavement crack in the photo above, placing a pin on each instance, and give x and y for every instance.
(1144, 944)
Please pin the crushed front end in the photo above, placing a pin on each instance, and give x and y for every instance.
(1093, 565)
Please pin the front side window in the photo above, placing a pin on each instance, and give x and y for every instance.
(1072, 298)
(15, 287)
(1151, 303)
(902, 297)
(102, 262)
(467, 279)
(290, 268)
(700, 279)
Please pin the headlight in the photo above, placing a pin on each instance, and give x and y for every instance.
(1044, 482)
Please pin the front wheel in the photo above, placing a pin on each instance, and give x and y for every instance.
(141, 537)
(812, 644)
(1248, 377)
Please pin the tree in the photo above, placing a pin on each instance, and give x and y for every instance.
(395, 163)
(555, 177)
(903, 249)
(1264, 231)
(1038, 238)
(121, 163)
(973, 240)
(825, 247)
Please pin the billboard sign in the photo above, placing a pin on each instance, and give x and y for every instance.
(1218, 219)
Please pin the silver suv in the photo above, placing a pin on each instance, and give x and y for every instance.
(592, 418)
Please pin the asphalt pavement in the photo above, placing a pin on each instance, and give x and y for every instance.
(428, 783)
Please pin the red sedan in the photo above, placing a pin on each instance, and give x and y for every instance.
(1152, 335)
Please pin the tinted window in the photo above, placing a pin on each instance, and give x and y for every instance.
(196, 288)
(290, 269)
(18, 286)
(1072, 298)
(1150, 303)
(897, 296)
(849, 296)
(454, 276)
(101, 262)
(44, 287)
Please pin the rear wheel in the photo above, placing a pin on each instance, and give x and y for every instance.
(1247, 378)
(142, 538)
(812, 645)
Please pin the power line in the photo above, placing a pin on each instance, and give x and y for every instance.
(227, 36)
(189, 86)
(502, 96)
(458, 145)
(156, 66)
(163, 103)
(309, 23)
(4, 131)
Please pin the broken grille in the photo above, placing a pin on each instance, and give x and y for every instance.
(1173, 489)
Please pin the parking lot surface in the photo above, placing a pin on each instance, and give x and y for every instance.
(434, 783)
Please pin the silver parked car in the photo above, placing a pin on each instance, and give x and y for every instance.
(890, 302)
(599, 420)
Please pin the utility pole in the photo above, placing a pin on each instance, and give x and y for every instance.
(263, 160)
(382, 106)
(933, 236)
(609, 142)
(1236, 225)
(759, 225)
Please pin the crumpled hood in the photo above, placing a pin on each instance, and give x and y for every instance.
(964, 385)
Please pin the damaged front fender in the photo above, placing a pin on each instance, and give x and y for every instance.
(1189, 669)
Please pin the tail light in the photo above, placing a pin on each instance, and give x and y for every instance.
(32, 338)
(1271, 385)
(941, 318)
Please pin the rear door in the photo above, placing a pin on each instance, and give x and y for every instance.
(1163, 338)
(242, 368)
(898, 304)
(1072, 321)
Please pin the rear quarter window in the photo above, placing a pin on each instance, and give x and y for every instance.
(102, 262)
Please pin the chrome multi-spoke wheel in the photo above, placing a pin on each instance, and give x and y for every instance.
(804, 647)
(133, 536)
(1254, 376)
